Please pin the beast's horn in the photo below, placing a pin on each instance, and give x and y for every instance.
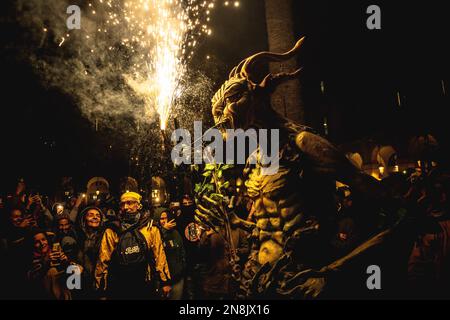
(270, 56)
(271, 81)
(236, 70)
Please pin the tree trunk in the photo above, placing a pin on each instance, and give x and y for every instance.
(286, 100)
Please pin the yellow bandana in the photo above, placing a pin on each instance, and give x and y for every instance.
(131, 196)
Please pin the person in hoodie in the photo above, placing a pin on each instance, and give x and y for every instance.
(174, 248)
(66, 235)
(190, 232)
(91, 229)
(131, 256)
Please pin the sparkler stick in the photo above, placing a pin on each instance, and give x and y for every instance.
(210, 128)
(399, 102)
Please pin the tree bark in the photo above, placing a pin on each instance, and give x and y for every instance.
(286, 99)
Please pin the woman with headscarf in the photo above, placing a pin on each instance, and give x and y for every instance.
(91, 229)
(175, 253)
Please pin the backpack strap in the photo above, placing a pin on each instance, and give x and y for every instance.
(149, 225)
(142, 242)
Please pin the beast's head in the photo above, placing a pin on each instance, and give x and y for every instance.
(239, 101)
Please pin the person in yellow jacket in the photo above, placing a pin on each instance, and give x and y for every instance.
(131, 256)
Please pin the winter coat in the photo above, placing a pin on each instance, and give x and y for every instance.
(108, 245)
(89, 246)
(174, 248)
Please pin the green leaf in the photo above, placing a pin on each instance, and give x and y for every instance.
(207, 173)
(219, 174)
(226, 184)
(227, 166)
(209, 167)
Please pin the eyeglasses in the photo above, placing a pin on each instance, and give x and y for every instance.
(129, 202)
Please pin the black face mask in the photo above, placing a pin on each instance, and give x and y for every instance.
(188, 209)
(129, 220)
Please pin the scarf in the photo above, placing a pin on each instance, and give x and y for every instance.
(129, 221)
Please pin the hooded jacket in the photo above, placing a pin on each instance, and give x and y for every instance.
(69, 240)
(174, 248)
(109, 242)
(89, 243)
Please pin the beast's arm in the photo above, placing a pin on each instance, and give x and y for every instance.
(326, 160)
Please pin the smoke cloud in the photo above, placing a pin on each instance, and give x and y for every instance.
(95, 68)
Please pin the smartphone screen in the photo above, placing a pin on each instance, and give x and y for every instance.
(56, 247)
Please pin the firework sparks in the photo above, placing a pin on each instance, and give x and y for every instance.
(158, 33)
(146, 42)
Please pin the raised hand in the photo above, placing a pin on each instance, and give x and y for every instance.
(170, 225)
(209, 212)
(307, 284)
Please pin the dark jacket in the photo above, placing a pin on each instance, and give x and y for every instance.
(175, 253)
(217, 280)
(68, 240)
(126, 283)
(174, 248)
(184, 222)
(89, 244)
(176, 257)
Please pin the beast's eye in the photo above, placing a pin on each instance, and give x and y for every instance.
(217, 111)
(233, 97)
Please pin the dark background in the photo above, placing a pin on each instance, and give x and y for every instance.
(44, 136)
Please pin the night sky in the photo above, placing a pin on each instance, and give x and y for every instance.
(44, 135)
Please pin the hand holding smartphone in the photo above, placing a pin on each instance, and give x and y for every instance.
(55, 255)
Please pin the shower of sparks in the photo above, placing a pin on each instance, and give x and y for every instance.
(161, 36)
(158, 29)
(154, 38)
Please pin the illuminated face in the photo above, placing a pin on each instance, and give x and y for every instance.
(93, 218)
(16, 218)
(40, 243)
(232, 105)
(64, 225)
(130, 206)
(343, 236)
(187, 202)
